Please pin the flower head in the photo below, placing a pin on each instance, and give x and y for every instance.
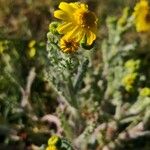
(53, 140)
(51, 147)
(31, 51)
(3, 45)
(78, 21)
(145, 91)
(53, 143)
(31, 43)
(68, 45)
(128, 81)
(142, 16)
(132, 65)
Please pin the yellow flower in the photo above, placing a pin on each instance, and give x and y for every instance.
(123, 19)
(3, 45)
(68, 45)
(53, 140)
(31, 52)
(142, 16)
(31, 43)
(132, 65)
(78, 21)
(51, 147)
(145, 91)
(128, 81)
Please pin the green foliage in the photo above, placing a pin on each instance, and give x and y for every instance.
(97, 97)
(109, 94)
(65, 71)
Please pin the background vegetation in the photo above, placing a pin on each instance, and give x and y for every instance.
(113, 110)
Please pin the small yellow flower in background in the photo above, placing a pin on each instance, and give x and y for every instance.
(128, 81)
(53, 142)
(78, 21)
(123, 19)
(3, 46)
(57, 143)
(31, 51)
(145, 92)
(51, 147)
(31, 43)
(132, 65)
(68, 45)
(142, 16)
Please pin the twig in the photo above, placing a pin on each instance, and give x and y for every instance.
(26, 92)
(53, 119)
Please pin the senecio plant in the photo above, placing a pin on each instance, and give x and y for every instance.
(103, 104)
(66, 46)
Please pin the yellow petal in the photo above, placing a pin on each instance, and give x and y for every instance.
(73, 33)
(80, 35)
(64, 28)
(61, 15)
(90, 37)
(78, 5)
(66, 7)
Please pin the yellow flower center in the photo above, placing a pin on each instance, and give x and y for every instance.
(85, 19)
(68, 45)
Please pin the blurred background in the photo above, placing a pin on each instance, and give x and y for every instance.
(23, 35)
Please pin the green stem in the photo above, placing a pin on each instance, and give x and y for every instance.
(72, 94)
(80, 75)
